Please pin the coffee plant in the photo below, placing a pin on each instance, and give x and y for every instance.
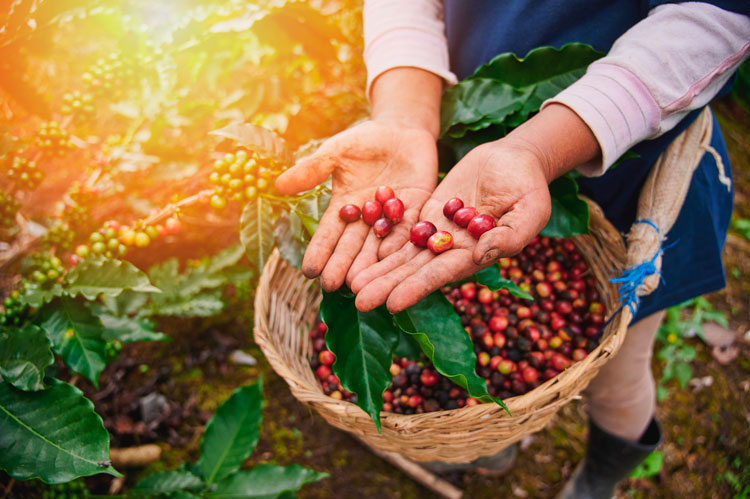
(126, 162)
(230, 438)
(110, 219)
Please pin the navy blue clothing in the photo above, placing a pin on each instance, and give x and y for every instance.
(478, 30)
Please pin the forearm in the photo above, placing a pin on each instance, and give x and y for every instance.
(408, 96)
(559, 139)
(672, 62)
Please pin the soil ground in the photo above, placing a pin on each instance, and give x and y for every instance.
(707, 433)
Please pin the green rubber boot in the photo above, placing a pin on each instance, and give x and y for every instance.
(609, 460)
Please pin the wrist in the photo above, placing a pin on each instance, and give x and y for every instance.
(408, 97)
(558, 138)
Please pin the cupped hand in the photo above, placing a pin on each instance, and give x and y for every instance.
(506, 180)
(374, 153)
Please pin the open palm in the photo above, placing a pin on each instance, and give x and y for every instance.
(503, 181)
(360, 159)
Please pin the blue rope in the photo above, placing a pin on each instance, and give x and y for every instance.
(633, 278)
(647, 222)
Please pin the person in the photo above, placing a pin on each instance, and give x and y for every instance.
(664, 62)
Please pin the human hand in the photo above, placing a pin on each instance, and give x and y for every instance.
(376, 152)
(505, 179)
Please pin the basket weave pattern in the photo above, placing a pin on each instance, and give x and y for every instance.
(286, 305)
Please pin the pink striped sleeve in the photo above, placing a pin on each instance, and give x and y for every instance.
(405, 34)
(674, 61)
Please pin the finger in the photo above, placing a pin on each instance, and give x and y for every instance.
(349, 245)
(376, 292)
(306, 174)
(367, 257)
(447, 267)
(323, 242)
(383, 267)
(514, 229)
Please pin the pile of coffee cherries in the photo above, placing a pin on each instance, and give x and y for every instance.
(519, 343)
(382, 213)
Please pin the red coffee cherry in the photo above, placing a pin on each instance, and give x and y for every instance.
(463, 216)
(349, 213)
(371, 211)
(480, 224)
(451, 207)
(440, 241)
(383, 194)
(382, 227)
(393, 210)
(421, 232)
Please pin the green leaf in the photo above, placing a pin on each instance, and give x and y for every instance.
(232, 434)
(407, 347)
(363, 343)
(93, 277)
(506, 90)
(24, 355)
(54, 435)
(491, 278)
(203, 305)
(126, 329)
(166, 482)
(266, 481)
(290, 245)
(77, 336)
(256, 231)
(683, 372)
(651, 466)
(438, 330)
(38, 296)
(478, 103)
(570, 213)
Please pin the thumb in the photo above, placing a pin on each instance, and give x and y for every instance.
(306, 174)
(513, 230)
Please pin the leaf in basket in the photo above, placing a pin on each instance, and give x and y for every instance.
(438, 330)
(491, 278)
(363, 344)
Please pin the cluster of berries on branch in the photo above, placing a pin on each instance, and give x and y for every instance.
(242, 175)
(53, 140)
(23, 173)
(14, 312)
(79, 104)
(43, 269)
(115, 74)
(9, 206)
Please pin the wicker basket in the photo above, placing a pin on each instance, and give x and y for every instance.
(287, 303)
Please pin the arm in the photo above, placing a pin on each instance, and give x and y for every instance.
(674, 61)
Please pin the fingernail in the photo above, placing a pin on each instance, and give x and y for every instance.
(490, 256)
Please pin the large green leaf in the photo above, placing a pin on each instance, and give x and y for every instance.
(570, 213)
(256, 138)
(77, 335)
(265, 481)
(363, 344)
(166, 482)
(206, 304)
(126, 329)
(232, 434)
(39, 295)
(438, 330)
(93, 277)
(508, 89)
(256, 231)
(54, 435)
(491, 278)
(24, 355)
